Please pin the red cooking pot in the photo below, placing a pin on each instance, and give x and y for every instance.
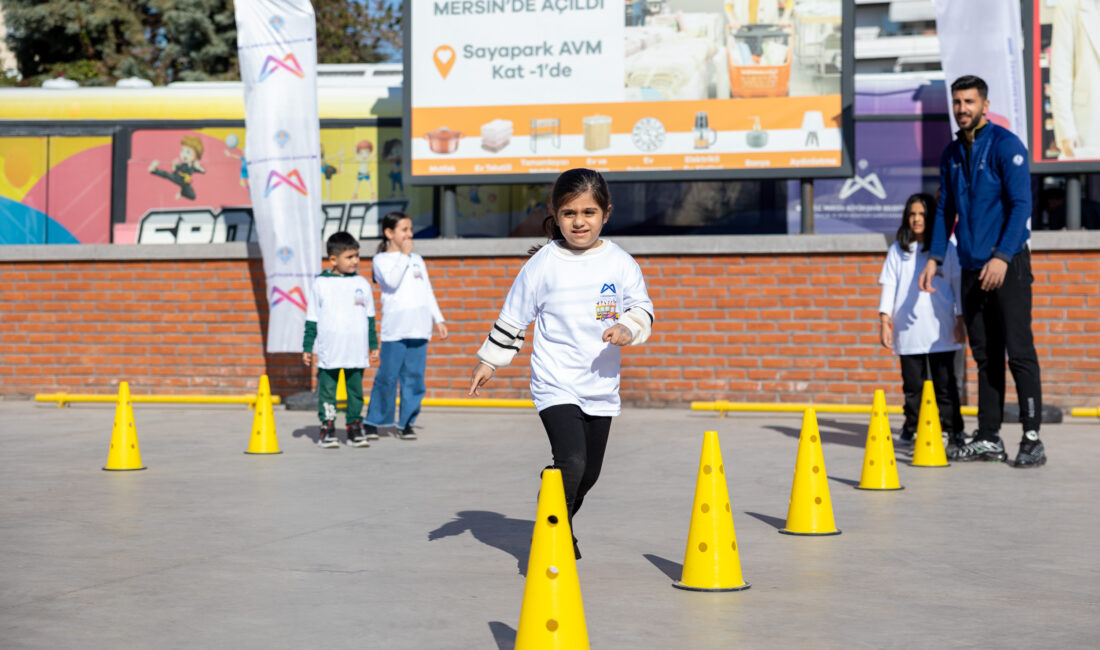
(443, 140)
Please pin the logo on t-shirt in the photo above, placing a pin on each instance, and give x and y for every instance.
(607, 306)
(360, 298)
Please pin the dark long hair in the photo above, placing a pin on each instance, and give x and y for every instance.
(906, 236)
(571, 184)
(389, 222)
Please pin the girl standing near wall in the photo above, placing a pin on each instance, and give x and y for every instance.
(409, 310)
(923, 329)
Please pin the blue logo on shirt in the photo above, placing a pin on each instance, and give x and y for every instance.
(608, 287)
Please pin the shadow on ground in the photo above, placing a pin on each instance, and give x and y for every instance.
(503, 634)
(832, 432)
(513, 536)
(674, 570)
(774, 522)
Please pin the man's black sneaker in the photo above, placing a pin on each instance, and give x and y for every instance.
(356, 437)
(1031, 453)
(327, 439)
(370, 432)
(988, 450)
(407, 433)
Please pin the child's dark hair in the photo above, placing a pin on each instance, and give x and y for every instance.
(969, 81)
(338, 242)
(571, 184)
(389, 222)
(906, 236)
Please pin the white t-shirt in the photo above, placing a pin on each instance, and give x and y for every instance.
(341, 305)
(572, 298)
(923, 322)
(409, 308)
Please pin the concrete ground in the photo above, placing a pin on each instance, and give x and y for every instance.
(423, 544)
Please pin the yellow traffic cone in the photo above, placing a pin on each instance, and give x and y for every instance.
(124, 455)
(928, 448)
(711, 561)
(341, 392)
(880, 469)
(552, 614)
(811, 509)
(263, 440)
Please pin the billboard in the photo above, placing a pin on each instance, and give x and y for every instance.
(1064, 85)
(521, 90)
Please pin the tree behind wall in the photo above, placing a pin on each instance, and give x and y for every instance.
(97, 42)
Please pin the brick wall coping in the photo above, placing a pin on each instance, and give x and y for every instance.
(507, 247)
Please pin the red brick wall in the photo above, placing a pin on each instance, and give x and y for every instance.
(797, 327)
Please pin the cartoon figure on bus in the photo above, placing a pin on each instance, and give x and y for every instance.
(363, 150)
(184, 167)
(391, 152)
(231, 142)
(328, 170)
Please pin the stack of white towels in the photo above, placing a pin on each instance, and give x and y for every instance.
(496, 135)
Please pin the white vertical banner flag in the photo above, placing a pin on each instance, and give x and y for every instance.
(277, 50)
(985, 38)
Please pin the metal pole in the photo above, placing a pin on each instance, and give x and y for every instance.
(448, 221)
(807, 206)
(1073, 202)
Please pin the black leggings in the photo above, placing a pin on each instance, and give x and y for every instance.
(577, 441)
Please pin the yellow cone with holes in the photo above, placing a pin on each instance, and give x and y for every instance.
(811, 510)
(880, 468)
(124, 455)
(711, 560)
(553, 614)
(928, 448)
(263, 439)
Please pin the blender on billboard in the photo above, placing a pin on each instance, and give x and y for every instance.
(1065, 78)
(506, 88)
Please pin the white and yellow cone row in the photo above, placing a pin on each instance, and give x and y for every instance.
(711, 560)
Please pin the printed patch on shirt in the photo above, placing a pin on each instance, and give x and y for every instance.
(416, 272)
(360, 298)
(1017, 160)
(607, 305)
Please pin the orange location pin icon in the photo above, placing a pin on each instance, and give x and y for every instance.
(444, 58)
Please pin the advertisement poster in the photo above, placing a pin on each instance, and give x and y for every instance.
(55, 190)
(360, 181)
(500, 89)
(1065, 84)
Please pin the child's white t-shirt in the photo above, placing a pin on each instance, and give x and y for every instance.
(409, 308)
(341, 306)
(923, 322)
(572, 299)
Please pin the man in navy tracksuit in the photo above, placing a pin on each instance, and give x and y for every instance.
(987, 186)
